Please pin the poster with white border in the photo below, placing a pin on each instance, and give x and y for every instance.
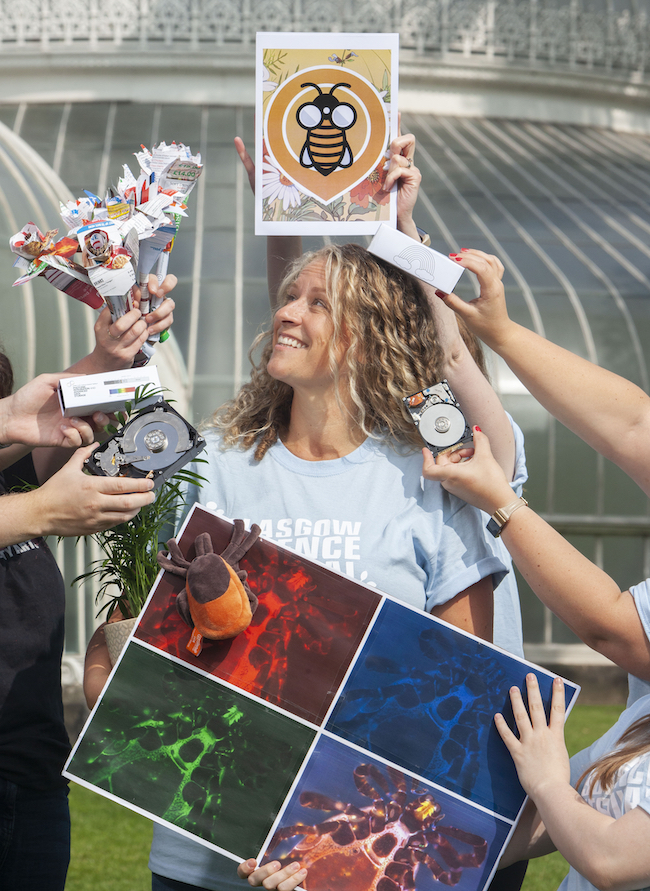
(343, 728)
(326, 112)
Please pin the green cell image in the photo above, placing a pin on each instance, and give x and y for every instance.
(190, 751)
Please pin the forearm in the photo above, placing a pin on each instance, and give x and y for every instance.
(608, 412)
(481, 405)
(281, 251)
(97, 666)
(583, 596)
(22, 517)
(529, 840)
(12, 454)
(611, 854)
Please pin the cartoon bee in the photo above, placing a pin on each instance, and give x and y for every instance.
(326, 118)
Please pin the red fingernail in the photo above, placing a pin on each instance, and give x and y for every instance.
(441, 294)
(464, 249)
(478, 428)
(453, 255)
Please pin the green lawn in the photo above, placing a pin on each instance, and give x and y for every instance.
(110, 844)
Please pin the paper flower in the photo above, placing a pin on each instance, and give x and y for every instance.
(275, 185)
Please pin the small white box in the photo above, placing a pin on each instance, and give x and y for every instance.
(109, 392)
(429, 266)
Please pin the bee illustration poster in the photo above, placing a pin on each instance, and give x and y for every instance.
(323, 125)
(343, 728)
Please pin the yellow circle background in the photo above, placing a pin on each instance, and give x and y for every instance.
(340, 181)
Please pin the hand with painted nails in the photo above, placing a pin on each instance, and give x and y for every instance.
(478, 479)
(540, 754)
(487, 315)
(272, 876)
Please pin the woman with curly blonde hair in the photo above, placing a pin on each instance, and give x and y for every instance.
(376, 312)
(317, 449)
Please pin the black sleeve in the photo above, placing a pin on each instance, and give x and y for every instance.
(20, 475)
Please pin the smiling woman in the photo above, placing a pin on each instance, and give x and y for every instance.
(316, 449)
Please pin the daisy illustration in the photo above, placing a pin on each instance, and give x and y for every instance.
(275, 185)
(268, 85)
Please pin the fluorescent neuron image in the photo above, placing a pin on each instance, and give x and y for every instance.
(187, 750)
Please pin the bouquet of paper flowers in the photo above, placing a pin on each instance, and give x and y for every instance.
(122, 238)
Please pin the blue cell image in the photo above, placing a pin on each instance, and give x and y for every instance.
(424, 695)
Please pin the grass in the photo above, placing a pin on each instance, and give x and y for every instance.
(110, 844)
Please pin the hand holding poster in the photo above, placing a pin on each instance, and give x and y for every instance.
(324, 125)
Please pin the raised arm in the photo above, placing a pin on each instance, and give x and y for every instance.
(576, 590)
(608, 412)
(32, 417)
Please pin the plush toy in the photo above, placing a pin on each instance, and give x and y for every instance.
(217, 601)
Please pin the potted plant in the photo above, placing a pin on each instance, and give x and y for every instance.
(128, 567)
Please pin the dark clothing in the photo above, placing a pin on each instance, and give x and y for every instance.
(34, 838)
(33, 739)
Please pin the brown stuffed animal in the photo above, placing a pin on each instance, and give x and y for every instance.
(217, 601)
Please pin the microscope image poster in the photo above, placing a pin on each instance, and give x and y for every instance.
(342, 728)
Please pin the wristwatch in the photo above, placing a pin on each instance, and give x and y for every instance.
(500, 517)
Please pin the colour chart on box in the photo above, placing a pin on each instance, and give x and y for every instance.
(342, 728)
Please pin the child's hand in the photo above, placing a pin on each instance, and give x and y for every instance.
(479, 480)
(540, 755)
(272, 876)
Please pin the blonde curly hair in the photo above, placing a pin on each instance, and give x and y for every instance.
(383, 316)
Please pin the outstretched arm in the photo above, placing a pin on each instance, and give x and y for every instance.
(72, 503)
(576, 590)
(612, 854)
(608, 412)
(116, 346)
(32, 416)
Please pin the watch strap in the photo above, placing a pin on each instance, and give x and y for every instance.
(501, 516)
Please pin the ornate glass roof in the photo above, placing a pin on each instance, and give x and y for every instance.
(565, 207)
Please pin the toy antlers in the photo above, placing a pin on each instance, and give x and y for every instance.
(217, 601)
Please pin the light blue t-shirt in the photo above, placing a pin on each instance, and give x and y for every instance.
(371, 516)
(630, 789)
(641, 594)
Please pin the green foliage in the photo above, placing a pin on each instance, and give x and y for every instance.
(129, 563)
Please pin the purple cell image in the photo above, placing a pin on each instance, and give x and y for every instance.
(356, 824)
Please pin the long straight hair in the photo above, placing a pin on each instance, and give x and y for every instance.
(635, 741)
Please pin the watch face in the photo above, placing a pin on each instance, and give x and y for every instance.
(493, 527)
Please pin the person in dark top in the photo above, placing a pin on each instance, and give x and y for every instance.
(34, 814)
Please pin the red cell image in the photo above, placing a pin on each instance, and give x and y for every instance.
(305, 631)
